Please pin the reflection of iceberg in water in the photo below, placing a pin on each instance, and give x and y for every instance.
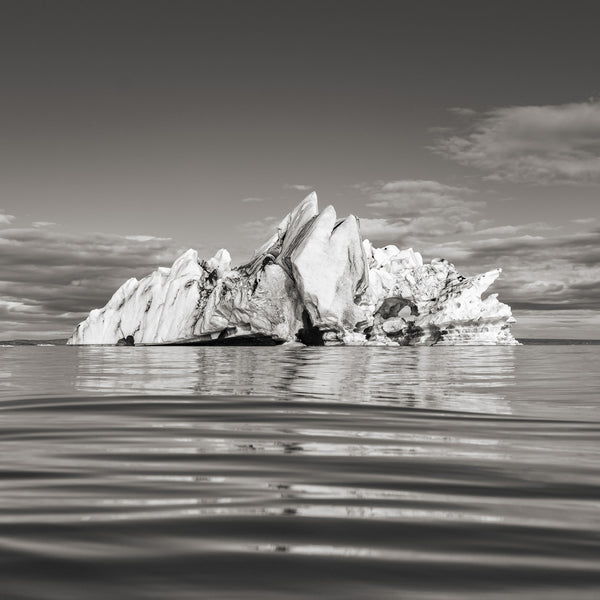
(471, 379)
(321, 433)
(465, 379)
(460, 379)
(118, 370)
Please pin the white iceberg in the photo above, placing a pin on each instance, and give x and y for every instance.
(315, 281)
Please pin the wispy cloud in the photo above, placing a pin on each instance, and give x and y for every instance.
(532, 144)
(509, 230)
(301, 187)
(411, 211)
(39, 224)
(260, 228)
(146, 238)
(462, 111)
(6, 219)
(252, 199)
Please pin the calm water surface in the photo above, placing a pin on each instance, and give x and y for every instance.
(292, 472)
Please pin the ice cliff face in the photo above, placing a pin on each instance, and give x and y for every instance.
(315, 281)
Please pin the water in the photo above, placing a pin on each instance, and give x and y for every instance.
(289, 472)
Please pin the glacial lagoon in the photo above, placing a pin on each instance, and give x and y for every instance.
(300, 472)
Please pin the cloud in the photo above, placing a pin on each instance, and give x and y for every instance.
(531, 144)
(252, 199)
(298, 186)
(507, 230)
(381, 229)
(260, 228)
(412, 197)
(462, 111)
(50, 280)
(414, 211)
(438, 129)
(39, 224)
(6, 219)
(146, 238)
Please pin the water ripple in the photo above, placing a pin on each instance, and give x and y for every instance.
(284, 473)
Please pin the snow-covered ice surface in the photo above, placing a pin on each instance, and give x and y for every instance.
(315, 281)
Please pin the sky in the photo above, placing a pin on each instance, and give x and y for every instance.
(133, 130)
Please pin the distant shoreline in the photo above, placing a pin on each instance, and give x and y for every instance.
(555, 341)
(524, 341)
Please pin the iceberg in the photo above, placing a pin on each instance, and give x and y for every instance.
(315, 281)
